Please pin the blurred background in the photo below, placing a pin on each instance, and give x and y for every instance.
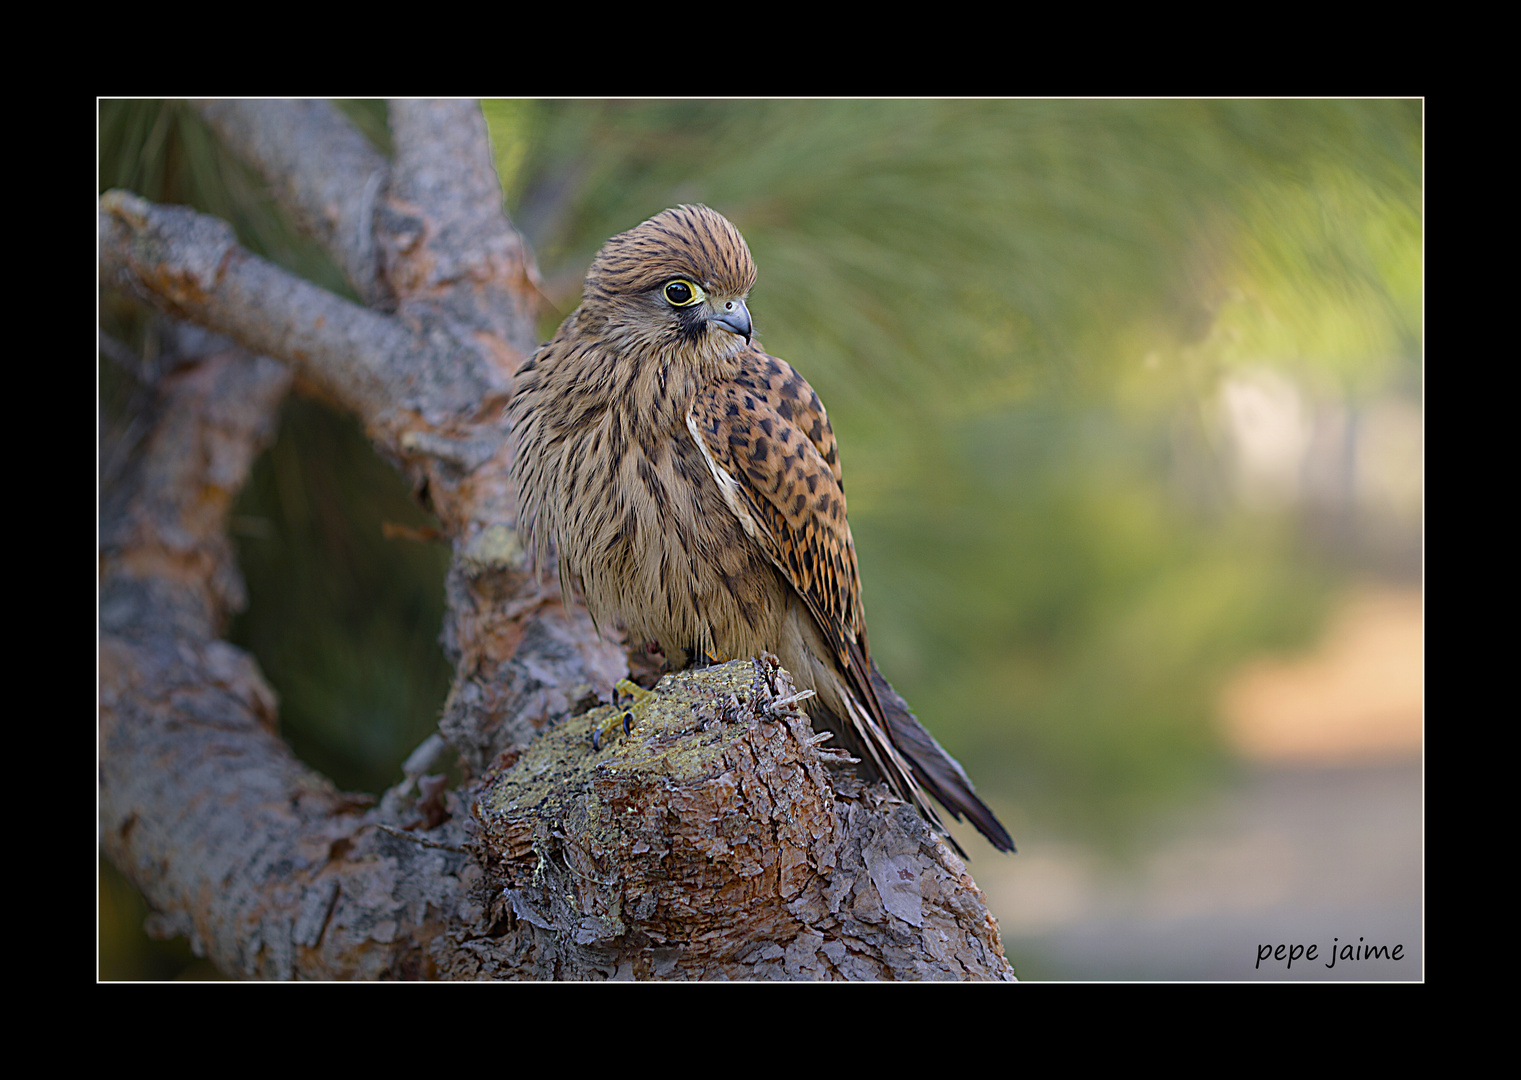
(1129, 401)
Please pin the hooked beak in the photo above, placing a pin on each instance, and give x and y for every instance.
(734, 317)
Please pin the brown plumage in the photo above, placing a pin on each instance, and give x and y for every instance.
(691, 486)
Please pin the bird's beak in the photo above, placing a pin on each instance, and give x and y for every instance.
(733, 316)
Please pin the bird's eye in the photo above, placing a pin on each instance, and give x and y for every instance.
(682, 293)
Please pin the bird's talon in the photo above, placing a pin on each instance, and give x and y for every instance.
(628, 700)
(606, 728)
(626, 691)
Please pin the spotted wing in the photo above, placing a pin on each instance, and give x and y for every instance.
(767, 432)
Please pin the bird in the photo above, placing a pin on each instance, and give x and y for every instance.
(690, 486)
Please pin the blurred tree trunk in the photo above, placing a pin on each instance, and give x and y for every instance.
(702, 834)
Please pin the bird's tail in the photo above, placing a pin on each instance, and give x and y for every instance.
(935, 770)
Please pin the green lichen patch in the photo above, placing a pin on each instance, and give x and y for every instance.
(676, 733)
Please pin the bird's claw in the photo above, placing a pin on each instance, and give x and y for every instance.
(606, 728)
(628, 701)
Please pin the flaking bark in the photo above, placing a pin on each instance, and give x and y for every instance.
(757, 860)
(703, 833)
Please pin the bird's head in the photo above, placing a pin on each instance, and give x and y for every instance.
(675, 284)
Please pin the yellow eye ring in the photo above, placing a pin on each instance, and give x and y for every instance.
(683, 293)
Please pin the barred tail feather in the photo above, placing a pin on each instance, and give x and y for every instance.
(892, 766)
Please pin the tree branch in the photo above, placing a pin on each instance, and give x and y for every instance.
(326, 174)
(190, 266)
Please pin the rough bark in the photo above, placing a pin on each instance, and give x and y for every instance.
(709, 840)
(703, 834)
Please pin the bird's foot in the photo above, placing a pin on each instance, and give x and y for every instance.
(628, 705)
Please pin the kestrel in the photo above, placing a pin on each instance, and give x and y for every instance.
(691, 486)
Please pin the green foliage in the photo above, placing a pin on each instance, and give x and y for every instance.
(972, 253)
